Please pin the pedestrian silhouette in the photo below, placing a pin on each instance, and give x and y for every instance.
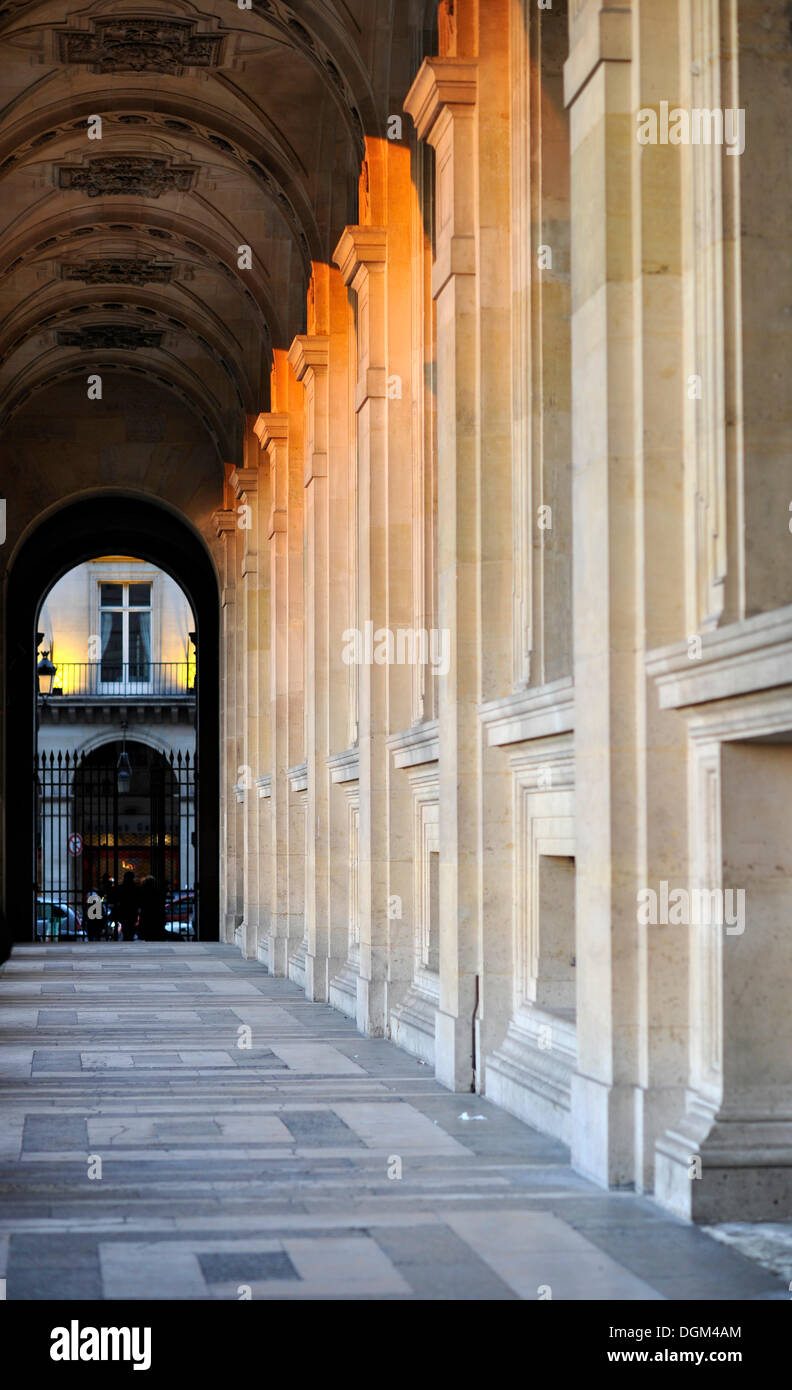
(151, 924)
(127, 905)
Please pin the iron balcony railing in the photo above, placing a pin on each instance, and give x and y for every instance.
(115, 680)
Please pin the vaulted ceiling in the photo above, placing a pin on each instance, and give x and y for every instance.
(222, 128)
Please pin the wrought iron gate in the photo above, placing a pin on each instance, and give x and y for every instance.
(95, 825)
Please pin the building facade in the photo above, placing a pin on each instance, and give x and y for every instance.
(120, 635)
(466, 355)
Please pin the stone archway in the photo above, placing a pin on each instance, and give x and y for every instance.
(65, 538)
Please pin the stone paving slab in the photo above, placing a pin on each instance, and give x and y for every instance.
(145, 1154)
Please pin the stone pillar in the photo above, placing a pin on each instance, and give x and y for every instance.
(263, 739)
(756, 340)
(334, 315)
(225, 526)
(272, 431)
(289, 393)
(661, 850)
(320, 360)
(245, 482)
(728, 1158)
(495, 846)
(309, 357)
(603, 144)
(360, 256)
(442, 102)
(280, 436)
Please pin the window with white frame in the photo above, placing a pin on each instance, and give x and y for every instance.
(125, 633)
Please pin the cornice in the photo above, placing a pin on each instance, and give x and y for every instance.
(244, 480)
(741, 658)
(271, 428)
(360, 247)
(224, 520)
(440, 83)
(298, 777)
(345, 766)
(417, 745)
(535, 712)
(309, 351)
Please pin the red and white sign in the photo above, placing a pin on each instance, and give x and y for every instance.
(75, 843)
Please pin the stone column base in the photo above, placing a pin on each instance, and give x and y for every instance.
(745, 1166)
(278, 958)
(342, 990)
(412, 1024)
(530, 1074)
(249, 936)
(297, 958)
(316, 978)
(370, 1007)
(319, 971)
(453, 1052)
(602, 1131)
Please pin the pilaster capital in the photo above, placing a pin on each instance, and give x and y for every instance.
(310, 352)
(360, 249)
(244, 480)
(441, 84)
(224, 520)
(271, 429)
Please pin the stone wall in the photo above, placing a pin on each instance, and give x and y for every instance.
(518, 418)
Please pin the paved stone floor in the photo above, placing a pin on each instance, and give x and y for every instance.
(270, 1171)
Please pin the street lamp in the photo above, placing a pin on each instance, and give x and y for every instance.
(46, 674)
(123, 767)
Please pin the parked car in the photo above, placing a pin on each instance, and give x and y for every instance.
(180, 913)
(183, 929)
(54, 920)
(180, 905)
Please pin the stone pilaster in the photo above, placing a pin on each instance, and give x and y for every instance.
(334, 313)
(272, 431)
(309, 356)
(225, 527)
(245, 486)
(660, 489)
(442, 102)
(361, 256)
(605, 1090)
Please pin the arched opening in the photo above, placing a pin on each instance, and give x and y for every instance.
(177, 838)
(111, 823)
